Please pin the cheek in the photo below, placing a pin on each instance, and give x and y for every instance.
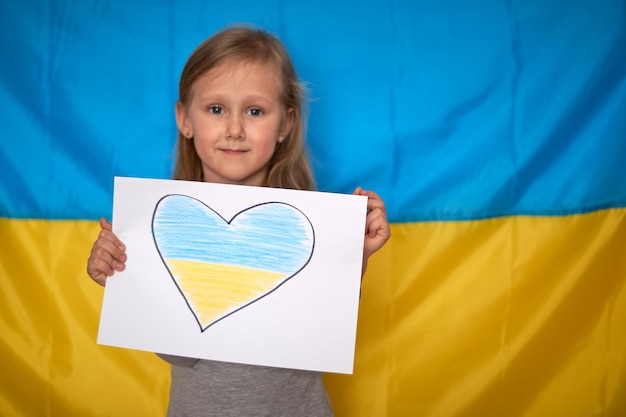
(202, 142)
(271, 140)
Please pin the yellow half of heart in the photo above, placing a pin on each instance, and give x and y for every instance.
(215, 290)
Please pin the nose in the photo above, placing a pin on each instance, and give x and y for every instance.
(234, 129)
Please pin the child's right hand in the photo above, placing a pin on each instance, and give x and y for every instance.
(107, 255)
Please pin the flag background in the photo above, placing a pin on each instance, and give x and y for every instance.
(493, 129)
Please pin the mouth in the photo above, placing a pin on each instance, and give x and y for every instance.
(233, 152)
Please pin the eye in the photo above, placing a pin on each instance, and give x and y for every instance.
(255, 112)
(215, 109)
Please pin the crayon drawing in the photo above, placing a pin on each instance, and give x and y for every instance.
(256, 275)
(221, 266)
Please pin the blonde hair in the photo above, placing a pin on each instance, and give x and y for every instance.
(289, 166)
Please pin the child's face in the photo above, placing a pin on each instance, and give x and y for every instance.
(236, 118)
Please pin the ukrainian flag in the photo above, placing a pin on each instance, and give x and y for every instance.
(495, 130)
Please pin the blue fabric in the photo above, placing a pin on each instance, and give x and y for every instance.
(450, 110)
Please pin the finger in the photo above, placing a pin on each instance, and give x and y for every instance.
(106, 235)
(100, 279)
(107, 254)
(373, 199)
(110, 254)
(109, 247)
(376, 213)
(101, 259)
(373, 204)
(106, 257)
(376, 225)
(101, 265)
(371, 194)
(368, 193)
(97, 267)
(105, 224)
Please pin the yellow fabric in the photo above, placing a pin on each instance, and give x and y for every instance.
(49, 313)
(516, 316)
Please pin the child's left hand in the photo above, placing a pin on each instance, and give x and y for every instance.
(377, 230)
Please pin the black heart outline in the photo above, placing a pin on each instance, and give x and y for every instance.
(156, 244)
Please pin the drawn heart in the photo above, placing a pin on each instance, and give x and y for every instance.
(221, 266)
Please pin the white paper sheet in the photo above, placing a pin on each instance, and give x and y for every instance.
(252, 275)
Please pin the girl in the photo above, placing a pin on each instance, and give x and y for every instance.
(240, 121)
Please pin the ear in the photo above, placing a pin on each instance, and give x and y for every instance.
(287, 125)
(182, 121)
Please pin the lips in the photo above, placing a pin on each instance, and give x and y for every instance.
(234, 151)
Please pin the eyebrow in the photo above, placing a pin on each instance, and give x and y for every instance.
(223, 97)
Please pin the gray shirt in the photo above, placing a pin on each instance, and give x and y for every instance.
(202, 388)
